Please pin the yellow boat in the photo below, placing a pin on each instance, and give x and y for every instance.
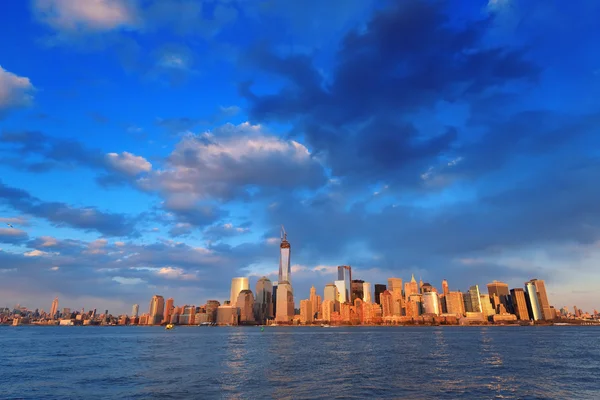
(169, 326)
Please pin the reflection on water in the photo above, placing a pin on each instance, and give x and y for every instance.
(300, 363)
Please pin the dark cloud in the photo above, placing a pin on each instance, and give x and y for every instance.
(12, 235)
(61, 214)
(221, 231)
(407, 59)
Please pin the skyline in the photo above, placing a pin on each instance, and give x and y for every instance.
(142, 152)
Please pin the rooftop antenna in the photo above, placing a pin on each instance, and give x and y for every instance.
(283, 233)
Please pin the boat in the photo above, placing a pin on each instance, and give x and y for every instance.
(169, 327)
(325, 326)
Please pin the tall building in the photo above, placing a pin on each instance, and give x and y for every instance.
(157, 310)
(431, 303)
(135, 310)
(394, 284)
(357, 289)
(387, 303)
(237, 285)
(379, 288)
(245, 304)
(519, 304)
(264, 300)
(475, 299)
(367, 292)
(486, 305)
(534, 308)
(285, 253)
(54, 308)
(169, 310)
(411, 287)
(285, 303)
(540, 288)
(342, 292)
(500, 289)
(306, 311)
(345, 275)
(445, 289)
(211, 310)
(454, 303)
(327, 310)
(315, 302)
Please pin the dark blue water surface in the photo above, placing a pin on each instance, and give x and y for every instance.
(300, 363)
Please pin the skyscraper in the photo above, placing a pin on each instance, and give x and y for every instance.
(285, 253)
(169, 310)
(445, 289)
(237, 285)
(430, 303)
(135, 310)
(519, 304)
(367, 292)
(475, 299)
(455, 303)
(54, 308)
(394, 284)
(245, 303)
(264, 300)
(306, 311)
(315, 301)
(285, 293)
(357, 290)
(379, 288)
(411, 287)
(533, 303)
(540, 288)
(342, 292)
(157, 310)
(345, 275)
(499, 289)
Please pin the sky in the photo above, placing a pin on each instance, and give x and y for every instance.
(157, 146)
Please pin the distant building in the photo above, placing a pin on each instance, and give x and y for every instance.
(454, 303)
(534, 307)
(306, 312)
(367, 292)
(227, 315)
(519, 304)
(169, 310)
(411, 288)
(357, 290)
(157, 310)
(315, 302)
(264, 300)
(237, 285)
(379, 288)
(499, 289)
(211, 310)
(475, 299)
(430, 303)
(345, 275)
(285, 303)
(342, 291)
(387, 304)
(486, 305)
(135, 310)
(54, 308)
(245, 304)
(544, 305)
(327, 310)
(445, 289)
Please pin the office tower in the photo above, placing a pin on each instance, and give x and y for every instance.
(54, 308)
(168, 310)
(237, 285)
(387, 303)
(533, 303)
(367, 292)
(331, 292)
(475, 299)
(245, 303)
(315, 301)
(211, 310)
(157, 310)
(264, 300)
(486, 305)
(411, 287)
(499, 289)
(135, 310)
(227, 315)
(414, 305)
(285, 303)
(431, 304)
(341, 288)
(379, 288)
(327, 308)
(394, 284)
(426, 288)
(454, 303)
(274, 300)
(285, 253)
(445, 289)
(306, 311)
(345, 275)
(357, 290)
(540, 288)
(519, 304)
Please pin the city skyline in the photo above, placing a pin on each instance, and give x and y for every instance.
(143, 153)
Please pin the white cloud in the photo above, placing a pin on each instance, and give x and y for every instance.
(35, 253)
(15, 91)
(225, 162)
(79, 15)
(128, 163)
(175, 273)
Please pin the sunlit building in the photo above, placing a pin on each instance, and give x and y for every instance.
(227, 315)
(379, 288)
(135, 310)
(341, 290)
(411, 287)
(534, 308)
(454, 303)
(327, 309)
(387, 304)
(445, 289)
(237, 285)
(285, 253)
(315, 302)
(486, 305)
(306, 312)
(157, 310)
(519, 304)
(367, 292)
(345, 275)
(357, 289)
(499, 289)
(169, 310)
(211, 310)
(285, 303)
(54, 308)
(475, 299)
(430, 303)
(544, 304)
(245, 304)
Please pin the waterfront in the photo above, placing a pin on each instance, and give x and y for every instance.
(243, 362)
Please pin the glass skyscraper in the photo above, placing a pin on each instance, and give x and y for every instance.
(285, 271)
(345, 275)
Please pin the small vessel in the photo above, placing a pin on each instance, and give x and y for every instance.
(169, 327)
(325, 326)
(262, 328)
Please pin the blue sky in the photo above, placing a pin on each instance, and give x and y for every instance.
(157, 146)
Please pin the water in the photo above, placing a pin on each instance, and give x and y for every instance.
(299, 363)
